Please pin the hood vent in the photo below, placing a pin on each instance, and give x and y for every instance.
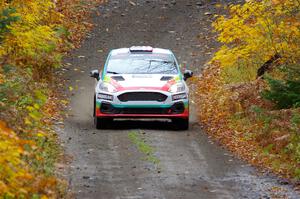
(166, 78)
(118, 78)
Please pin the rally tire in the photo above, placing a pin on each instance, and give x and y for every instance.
(181, 123)
(102, 123)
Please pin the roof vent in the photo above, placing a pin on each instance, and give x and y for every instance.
(141, 49)
(118, 78)
(165, 78)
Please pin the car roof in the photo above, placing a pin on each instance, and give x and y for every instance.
(127, 51)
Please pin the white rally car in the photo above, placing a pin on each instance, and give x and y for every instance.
(141, 82)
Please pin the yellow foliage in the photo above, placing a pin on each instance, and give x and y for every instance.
(17, 180)
(32, 40)
(33, 12)
(12, 169)
(256, 31)
(28, 43)
(1, 78)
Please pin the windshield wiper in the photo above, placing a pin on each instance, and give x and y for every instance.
(112, 72)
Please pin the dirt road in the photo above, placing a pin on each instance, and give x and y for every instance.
(107, 164)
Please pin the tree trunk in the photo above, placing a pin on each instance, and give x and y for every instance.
(267, 65)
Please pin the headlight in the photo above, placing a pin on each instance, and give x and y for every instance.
(176, 88)
(179, 96)
(106, 87)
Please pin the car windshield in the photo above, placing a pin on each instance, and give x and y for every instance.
(139, 63)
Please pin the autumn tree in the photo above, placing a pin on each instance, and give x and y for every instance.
(259, 32)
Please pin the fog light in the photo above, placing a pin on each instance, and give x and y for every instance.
(105, 96)
(177, 108)
(179, 96)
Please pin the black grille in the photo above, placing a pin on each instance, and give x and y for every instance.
(142, 96)
(143, 111)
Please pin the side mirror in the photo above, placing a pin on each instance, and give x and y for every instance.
(187, 74)
(95, 74)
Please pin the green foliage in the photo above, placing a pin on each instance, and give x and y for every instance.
(7, 17)
(295, 120)
(62, 31)
(239, 74)
(294, 146)
(267, 149)
(284, 93)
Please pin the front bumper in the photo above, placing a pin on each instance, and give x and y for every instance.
(169, 108)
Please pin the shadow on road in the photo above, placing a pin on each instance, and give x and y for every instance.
(143, 124)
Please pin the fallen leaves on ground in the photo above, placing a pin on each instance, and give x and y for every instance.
(232, 115)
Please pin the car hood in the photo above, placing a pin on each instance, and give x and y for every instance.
(142, 81)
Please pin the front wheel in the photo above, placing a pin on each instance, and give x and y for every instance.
(102, 123)
(181, 123)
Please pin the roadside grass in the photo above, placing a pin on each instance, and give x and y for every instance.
(142, 146)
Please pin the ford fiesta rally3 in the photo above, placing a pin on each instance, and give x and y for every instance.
(141, 82)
